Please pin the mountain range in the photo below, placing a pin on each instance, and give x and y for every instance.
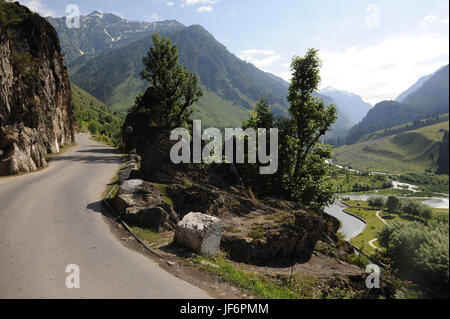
(104, 57)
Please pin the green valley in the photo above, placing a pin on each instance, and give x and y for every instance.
(412, 150)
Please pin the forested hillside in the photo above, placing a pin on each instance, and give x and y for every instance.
(95, 117)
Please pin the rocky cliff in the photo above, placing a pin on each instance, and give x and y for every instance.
(36, 111)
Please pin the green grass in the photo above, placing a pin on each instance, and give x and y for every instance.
(214, 111)
(399, 129)
(261, 285)
(124, 95)
(373, 224)
(410, 151)
(150, 237)
(344, 180)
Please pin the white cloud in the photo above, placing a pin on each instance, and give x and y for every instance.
(205, 9)
(206, 5)
(260, 58)
(37, 6)
(385, 70)
(152, 17)
(445, 21)
(170, 4)
(195, 2)
(427, 20)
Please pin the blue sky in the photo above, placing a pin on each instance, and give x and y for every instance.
(376, 49)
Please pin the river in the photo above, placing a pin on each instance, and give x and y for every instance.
(352, 226)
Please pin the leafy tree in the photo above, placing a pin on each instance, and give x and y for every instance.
(312, 118)
(392, 204)
(173, 89)
(260, 117)
(377, 202)
(302, 174)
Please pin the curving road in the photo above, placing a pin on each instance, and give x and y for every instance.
(51, 218)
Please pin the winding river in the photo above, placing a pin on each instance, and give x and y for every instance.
(352, 226)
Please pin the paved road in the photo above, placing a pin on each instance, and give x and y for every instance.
(51, 218)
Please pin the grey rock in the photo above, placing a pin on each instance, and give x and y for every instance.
(200, 232)
(131, 186)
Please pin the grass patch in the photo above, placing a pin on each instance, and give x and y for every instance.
(374, 224)
(150, 237)
(257, 232)
(261, 285)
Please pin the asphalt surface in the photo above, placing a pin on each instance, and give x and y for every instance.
(52, 218)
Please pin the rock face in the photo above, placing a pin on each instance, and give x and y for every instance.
(36, 111)
(265, 242)
(199, 232)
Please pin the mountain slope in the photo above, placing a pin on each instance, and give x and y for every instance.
(102, 31)
(113, 75)
(95, 117)
(413, 88)
(414, 150)
(433, 96)
(429, 100)
(351, 105)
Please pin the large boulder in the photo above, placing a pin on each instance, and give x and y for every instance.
(200, 232)
(274, 239)
(142, 204)
(131, 186)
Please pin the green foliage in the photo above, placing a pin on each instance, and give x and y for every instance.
(173, 89)
(392, 204)
(12, 12)
(95, 117)
(376, 202)
(419, 252)
(415, 208)
(427, 181)
(311, 119)
(302, 174)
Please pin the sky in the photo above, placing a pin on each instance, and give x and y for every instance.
(376, 49)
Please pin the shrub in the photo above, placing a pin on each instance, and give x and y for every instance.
(419, 252)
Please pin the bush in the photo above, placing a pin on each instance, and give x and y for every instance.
(419, 252)
(377, 202)
(414, 208)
